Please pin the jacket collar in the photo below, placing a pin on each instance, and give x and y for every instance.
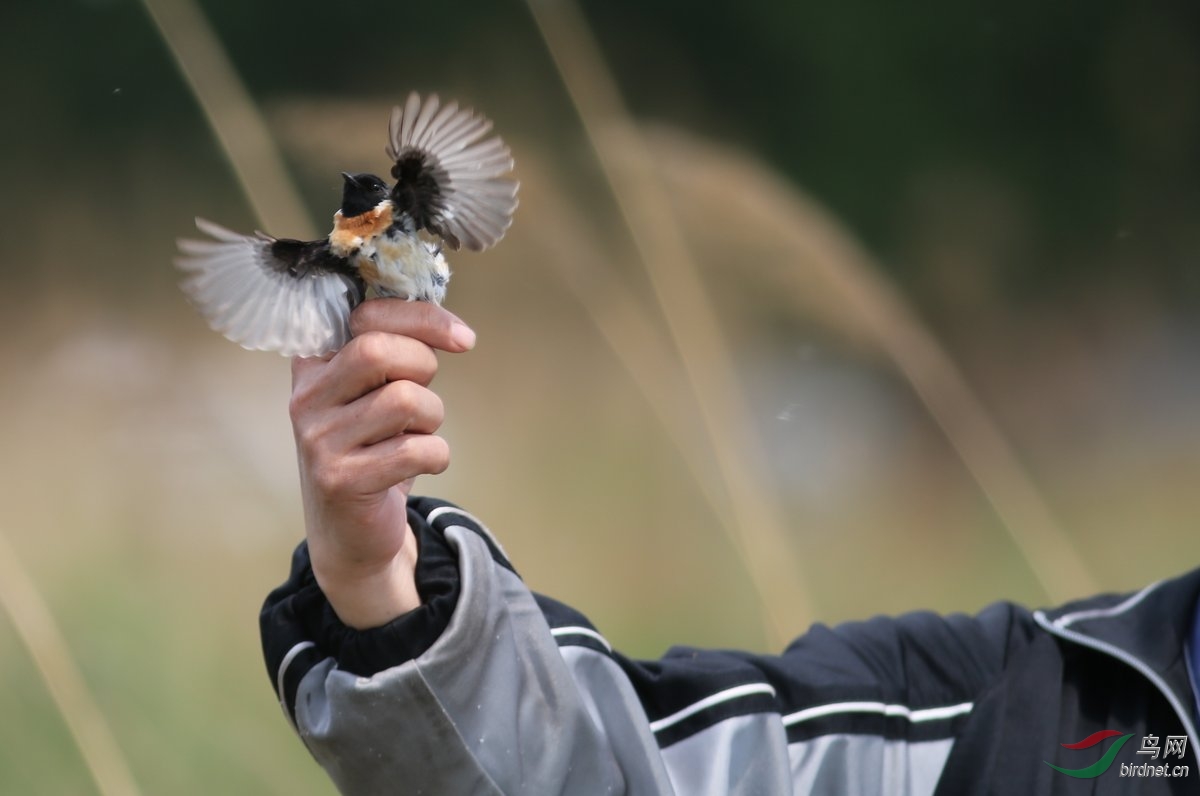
(1149, 630)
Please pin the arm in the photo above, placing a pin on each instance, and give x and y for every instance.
(436, 670)
(443, 671)
(488, 688)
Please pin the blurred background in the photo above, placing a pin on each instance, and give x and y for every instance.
(810, 312)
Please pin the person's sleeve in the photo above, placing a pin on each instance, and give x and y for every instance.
(488, 688)
(466, 694)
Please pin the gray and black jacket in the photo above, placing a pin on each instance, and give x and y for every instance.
(488, 688)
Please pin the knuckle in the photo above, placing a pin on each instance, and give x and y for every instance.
(300, 402)
(330, 477)
(308, 437)
(371, 349)
(419, 405)
(302, 413)
(297, 409)
(400, 396)
(311, 431)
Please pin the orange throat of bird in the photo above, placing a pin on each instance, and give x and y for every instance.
(349, 234)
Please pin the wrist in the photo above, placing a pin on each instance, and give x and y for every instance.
(365, 597)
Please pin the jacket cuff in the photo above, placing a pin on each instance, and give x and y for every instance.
(299, 612)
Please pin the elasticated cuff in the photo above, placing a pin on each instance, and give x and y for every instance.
(298, 612)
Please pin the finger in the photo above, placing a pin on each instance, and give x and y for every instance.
(306, 380)
(398, 407)
(370, 361)
(422, 320)
(304, 368)
(396, 460)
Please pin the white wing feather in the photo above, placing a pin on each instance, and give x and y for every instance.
(246, 294)
(478, 197)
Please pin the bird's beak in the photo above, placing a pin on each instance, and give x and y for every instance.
(349, 178)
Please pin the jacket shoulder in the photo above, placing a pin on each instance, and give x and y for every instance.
(958, 652)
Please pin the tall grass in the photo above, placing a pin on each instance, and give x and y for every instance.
(233, 116)
(820, 245)
(632, 173)
(622, 322)
(758, 528)
(259, 170)
(37, 628)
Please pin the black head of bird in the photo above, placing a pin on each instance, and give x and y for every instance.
(361, 193)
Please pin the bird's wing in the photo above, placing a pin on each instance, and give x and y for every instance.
(447, 179)
(289, 296)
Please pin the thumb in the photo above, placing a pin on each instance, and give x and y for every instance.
(421, 320)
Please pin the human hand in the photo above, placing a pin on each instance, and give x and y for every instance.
(364, 422)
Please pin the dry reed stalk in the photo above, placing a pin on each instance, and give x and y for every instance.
(52, 658)
(233, 116)
(760, 532)
(823, 245)
(636, 343)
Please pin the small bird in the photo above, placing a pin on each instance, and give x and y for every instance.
(295, 297)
